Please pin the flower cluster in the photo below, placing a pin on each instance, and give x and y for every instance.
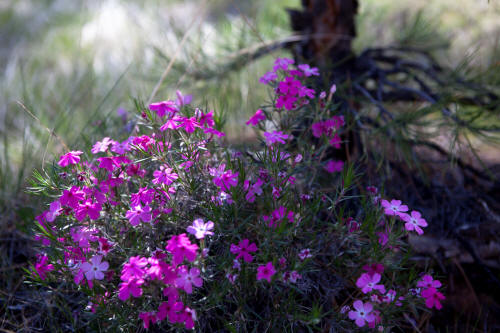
(176, 229)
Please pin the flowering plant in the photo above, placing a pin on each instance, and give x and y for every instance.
(170, 228)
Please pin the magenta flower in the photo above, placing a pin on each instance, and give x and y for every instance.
(374, 268)
(95, 269)
(134, 268)
(73, 157)
(282, 63)
(414, 221)
(266, 271)
(275, 136)
(183, 100)
(362, 313)
(138, 213)
(205, 118)
(428, 282)
(225, 179)
(308, 71)
(433, 298)
(289, 86)
(394, 207)
(72, 197)
(268, 77)
(286, 101)
(189, 124)
(256, 118)
(102, 146)
(334, 166)
(200, 229)
(130, 288)
(170, 124)
(163, 107)
(367, 283)
(304, 254)
(90, 209)
(42, 266)
(83, 236)
(187, 279)
(170, 309)
(147, 317)
(181, 247)
(243, 249)
(164, 176)
(54, 211)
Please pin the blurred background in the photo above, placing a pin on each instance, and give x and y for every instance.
(72, 69)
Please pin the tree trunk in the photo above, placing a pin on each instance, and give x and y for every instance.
(331, 25)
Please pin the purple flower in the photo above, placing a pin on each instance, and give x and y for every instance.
(275, 136)
(200, 229)
(256, 118)
(164, 176)
(163, 107)
(73, 157)
(308, 71)
(139, 213)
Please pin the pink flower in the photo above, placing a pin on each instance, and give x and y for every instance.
(334, 166)
(374, 268)
(256, 118)
(268, 77)
(282, 63)
(200, 229)
(286, 101)
(304, 254)
(134, 268)
(83, 236)
(275, 136)
(163, 107)
(205, 118)
(181, 247)
(394, 207)
(183, 100)
(147, 317)
(164, 176)
(54, 211)
(42, 267)
(367, 283)
(90, 209)
(102, 146)
(432, 298)
(131, 287)
(291, 277)
(170, 308)
(72, 197)
(95, 269)
(362, 314)
(225, 179)
(73, 157)
(187, 279)
(265, 271)
(170, 124)
(138, 213)
(243, 249)
(308, 71)
(414, 221)
(189, 124)
(189, 317)
(289, 86)
(428, 282)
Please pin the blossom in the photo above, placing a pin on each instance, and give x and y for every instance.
(200, 229)
(90, 209)
(334, 166)
(189, 124)
(83, 236)
(367, 283)
(268, 77)
(231, 277)
(282, 63)
(289, 86)
(131, 287)
(42, 266)
(286, 101)
(374, 268)
(163, 107)
(304, 254)
(188, 278)
(225, 179)
(308, 71)
(164, 176)
(139, 213)
(256, 118)
(414, 221)
(394, 207)
(428, 282)
(134, 268)
(54, 211)
(183, 100)
(181, 247)
(147, 317)
(95, 269)
(266, 271)
(205, 118)
(73, 157)
(170, 308)
(243, 249)
(362, 313)
(432, 298)
(102, 146)
(275, 136)
(291, 277)
(72, 197)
